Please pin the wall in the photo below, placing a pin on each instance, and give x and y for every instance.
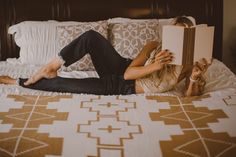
(229, 34)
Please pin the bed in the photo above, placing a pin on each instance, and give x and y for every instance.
(49, 124)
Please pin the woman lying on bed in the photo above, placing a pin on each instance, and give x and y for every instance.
(149, 72)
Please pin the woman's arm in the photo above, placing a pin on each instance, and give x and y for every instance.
(194, 86)
(137, 69)
(195, 82)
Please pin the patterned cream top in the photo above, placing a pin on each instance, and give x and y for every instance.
(160, 81)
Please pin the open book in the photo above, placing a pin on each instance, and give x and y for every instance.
(188, 44)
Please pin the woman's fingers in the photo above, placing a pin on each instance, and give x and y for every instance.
(203, 64)
(163, 53)
(160, 53)
(164, 56)
(204, 61)
(196, 71)
(199, 65)
(168, 61)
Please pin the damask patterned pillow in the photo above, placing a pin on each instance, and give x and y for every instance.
(67, 33)
(128, 38)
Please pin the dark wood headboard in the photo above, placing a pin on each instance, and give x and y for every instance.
(15, 11)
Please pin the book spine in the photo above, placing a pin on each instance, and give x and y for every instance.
(188, 47)
(191, 45)
(185, 47)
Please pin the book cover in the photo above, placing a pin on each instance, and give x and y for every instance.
(188, 45)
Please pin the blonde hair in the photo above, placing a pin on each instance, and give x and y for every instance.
(182, 20)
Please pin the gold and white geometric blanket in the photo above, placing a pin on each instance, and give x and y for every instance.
(118, 126)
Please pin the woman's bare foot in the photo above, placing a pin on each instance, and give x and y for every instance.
(7, 80)
(48, 71)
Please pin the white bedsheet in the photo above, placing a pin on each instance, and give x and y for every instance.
(13, 68)
(218, 76)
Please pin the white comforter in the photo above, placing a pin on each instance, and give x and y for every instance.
(218, 76)
(157, 125)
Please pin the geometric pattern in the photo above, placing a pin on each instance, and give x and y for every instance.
(108, 129)
(197, 139)
(22, 138)
(128, 38)
(230, 100)
(118, 126)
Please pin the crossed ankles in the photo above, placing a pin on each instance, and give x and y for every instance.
(48, 71)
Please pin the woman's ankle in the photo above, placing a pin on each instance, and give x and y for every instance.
(7, 80)
(55, 64)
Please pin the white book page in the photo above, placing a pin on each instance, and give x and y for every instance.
(203, 46)
(200, 25)
(172, 39)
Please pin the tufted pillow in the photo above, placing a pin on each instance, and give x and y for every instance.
(37, 41)
(67, 33)
(128, 38)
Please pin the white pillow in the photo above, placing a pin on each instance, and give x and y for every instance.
(39, 40)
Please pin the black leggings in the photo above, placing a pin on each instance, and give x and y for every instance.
(109, 65)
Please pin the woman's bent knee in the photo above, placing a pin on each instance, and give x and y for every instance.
(91, 34)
